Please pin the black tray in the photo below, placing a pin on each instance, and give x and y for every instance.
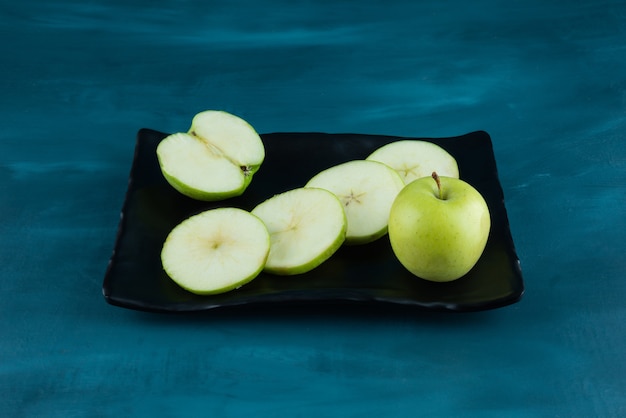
(367, 274)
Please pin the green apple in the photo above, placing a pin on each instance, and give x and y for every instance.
(216, 251)
(306, 227)
(215, 160)
(438, 227)
(414, 159)
(366, 190)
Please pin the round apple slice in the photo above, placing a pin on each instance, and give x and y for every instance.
(366, 190)
(414, 159)
(216, 251)
(306, 227)
(215, 160)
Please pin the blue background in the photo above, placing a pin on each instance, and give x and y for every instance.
(546, 79)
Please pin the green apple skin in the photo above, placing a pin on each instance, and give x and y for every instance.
(203, 195)
(439, 239)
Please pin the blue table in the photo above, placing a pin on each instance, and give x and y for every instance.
(546, 79)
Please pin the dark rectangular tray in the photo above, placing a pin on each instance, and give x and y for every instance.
(367, 274)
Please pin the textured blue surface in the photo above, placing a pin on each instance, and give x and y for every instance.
(547, 80)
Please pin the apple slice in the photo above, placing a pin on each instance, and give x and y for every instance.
(414, 159)
(215, 160)
(366, 190)
(216, 251)
(306, 227)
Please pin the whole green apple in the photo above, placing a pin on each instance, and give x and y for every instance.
(438, 227)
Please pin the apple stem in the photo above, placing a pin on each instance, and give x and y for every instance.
(438, 181)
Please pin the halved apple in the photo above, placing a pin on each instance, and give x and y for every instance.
(413, 159)
(215, 160)
(366, 190)
(306, 227)
(216, 251)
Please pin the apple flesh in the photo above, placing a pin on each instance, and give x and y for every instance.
(438, 227)
(366, 190)
(215, 160)
(216, 251)
(306, 227)
(414, 159)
